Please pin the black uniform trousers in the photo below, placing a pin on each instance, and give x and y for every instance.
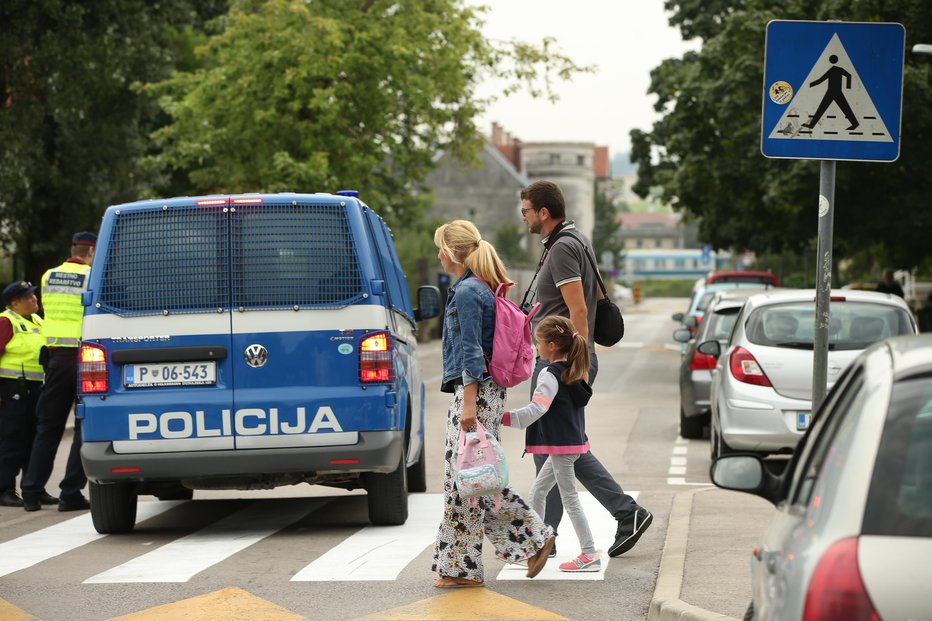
(17, 427)
(52, 410)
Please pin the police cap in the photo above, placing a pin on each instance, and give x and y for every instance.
(84, 238)
(16, 290)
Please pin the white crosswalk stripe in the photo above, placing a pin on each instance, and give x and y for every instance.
(50, 542)
(181, 560)
(380, 552)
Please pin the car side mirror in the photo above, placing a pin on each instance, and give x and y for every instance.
(681, 336)
(428, 303)
(678, 317)
(710, 348)
(746, 473)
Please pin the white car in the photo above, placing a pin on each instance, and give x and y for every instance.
(761, 393)
(851, 537)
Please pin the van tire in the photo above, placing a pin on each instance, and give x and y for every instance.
(113, 507)
(388, 495)
(417, 474)
(691, 426)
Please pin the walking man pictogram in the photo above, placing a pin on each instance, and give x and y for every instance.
(834, 93)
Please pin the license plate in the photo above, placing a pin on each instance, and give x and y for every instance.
(170, 374)
(802, 420)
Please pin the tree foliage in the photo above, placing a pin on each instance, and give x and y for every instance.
(72, 131)
(318, 96)
(605, 236)
(705, 150)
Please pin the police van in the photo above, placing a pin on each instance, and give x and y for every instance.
(249, 342)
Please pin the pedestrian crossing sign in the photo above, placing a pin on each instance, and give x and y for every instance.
(833, 90)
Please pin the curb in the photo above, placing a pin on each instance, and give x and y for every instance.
(666, 604)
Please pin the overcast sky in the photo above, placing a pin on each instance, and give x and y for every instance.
(625, 38)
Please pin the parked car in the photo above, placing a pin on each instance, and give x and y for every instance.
(696, 368)
(746, 276)
(761, 393)
(851, 537)
(700, 301)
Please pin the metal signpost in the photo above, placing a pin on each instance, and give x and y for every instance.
(832, 91)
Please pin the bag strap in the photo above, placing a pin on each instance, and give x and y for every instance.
(550, 242)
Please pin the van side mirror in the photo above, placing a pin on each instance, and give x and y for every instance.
(710, 348)
(428, 303)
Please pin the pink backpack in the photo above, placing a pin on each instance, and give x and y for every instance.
(481, 469)
(512, 355)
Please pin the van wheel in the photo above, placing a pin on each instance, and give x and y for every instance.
(388, 495)
(417, 474)
(113, 507)
(690, 426)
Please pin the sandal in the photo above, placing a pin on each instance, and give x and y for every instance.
(537, 562)
(448, 582)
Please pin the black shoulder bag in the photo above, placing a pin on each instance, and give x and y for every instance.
(609, 324)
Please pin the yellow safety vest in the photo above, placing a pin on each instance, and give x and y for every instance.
(20, 359)
(62, 287)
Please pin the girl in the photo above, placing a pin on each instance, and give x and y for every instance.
(562, 393)
(468, 327)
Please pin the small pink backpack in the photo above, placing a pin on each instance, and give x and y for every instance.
(481, 469)
(512, 354)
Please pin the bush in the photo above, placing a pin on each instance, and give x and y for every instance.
(666, 288)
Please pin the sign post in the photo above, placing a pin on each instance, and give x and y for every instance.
(832, 91)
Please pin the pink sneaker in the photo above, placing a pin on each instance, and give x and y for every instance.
(583, 563)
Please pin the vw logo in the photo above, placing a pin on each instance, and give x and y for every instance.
(256, 355)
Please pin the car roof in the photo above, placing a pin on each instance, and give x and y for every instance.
(782, 296)
(912, 354)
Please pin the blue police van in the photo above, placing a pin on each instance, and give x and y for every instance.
(249, 342)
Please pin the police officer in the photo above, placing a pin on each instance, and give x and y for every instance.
(62, 287)
(20, 380)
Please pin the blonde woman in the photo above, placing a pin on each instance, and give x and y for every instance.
(514, 529)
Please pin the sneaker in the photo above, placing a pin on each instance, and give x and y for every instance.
(630, 529)
(583, 563)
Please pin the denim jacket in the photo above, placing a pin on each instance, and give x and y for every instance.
(468, 328)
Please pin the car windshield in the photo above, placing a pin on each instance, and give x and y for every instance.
(853, 325)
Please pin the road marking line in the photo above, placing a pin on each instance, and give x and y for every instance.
(680, 450)
(44, 544)
(677, 461)
(603, 526)
(677, 470)
(380, 552)
(183, 558)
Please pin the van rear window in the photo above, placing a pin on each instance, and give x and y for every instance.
(258, 257)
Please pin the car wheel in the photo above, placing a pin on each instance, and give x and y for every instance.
(113, 507)
(417, 474)
(388, 495)
(690, 426)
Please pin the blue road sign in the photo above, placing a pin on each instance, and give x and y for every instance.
(833, 90)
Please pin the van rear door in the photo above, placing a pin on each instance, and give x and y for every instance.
(301, 311)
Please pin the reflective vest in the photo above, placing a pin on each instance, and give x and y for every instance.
(62, 287)
(20, 359)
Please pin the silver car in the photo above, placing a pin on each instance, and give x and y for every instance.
(852, 533)
(761, 393)
(696, 368)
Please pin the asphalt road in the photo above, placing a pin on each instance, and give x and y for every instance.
(307, 552)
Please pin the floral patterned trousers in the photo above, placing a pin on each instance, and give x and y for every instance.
(514, 529)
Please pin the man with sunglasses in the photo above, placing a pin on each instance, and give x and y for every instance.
(567, 285)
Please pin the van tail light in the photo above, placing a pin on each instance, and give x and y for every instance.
(375, 359)
(702, 362)
(836, 590)
(744, 368)
(92, 368)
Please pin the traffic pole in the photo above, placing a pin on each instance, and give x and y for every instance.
(823, 282)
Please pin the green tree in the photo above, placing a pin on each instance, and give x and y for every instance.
(605, 236)
(71, 128)
(705, 150)
(510, 240)
(332, 94)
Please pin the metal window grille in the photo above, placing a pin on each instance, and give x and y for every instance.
(167, 259)
(290, 254)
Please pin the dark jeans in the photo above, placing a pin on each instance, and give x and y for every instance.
(17, 427)
(55, 401)
(589, 470)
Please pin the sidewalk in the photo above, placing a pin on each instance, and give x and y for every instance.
(705, 571)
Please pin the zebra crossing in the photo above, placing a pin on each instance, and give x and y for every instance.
(373, 553)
